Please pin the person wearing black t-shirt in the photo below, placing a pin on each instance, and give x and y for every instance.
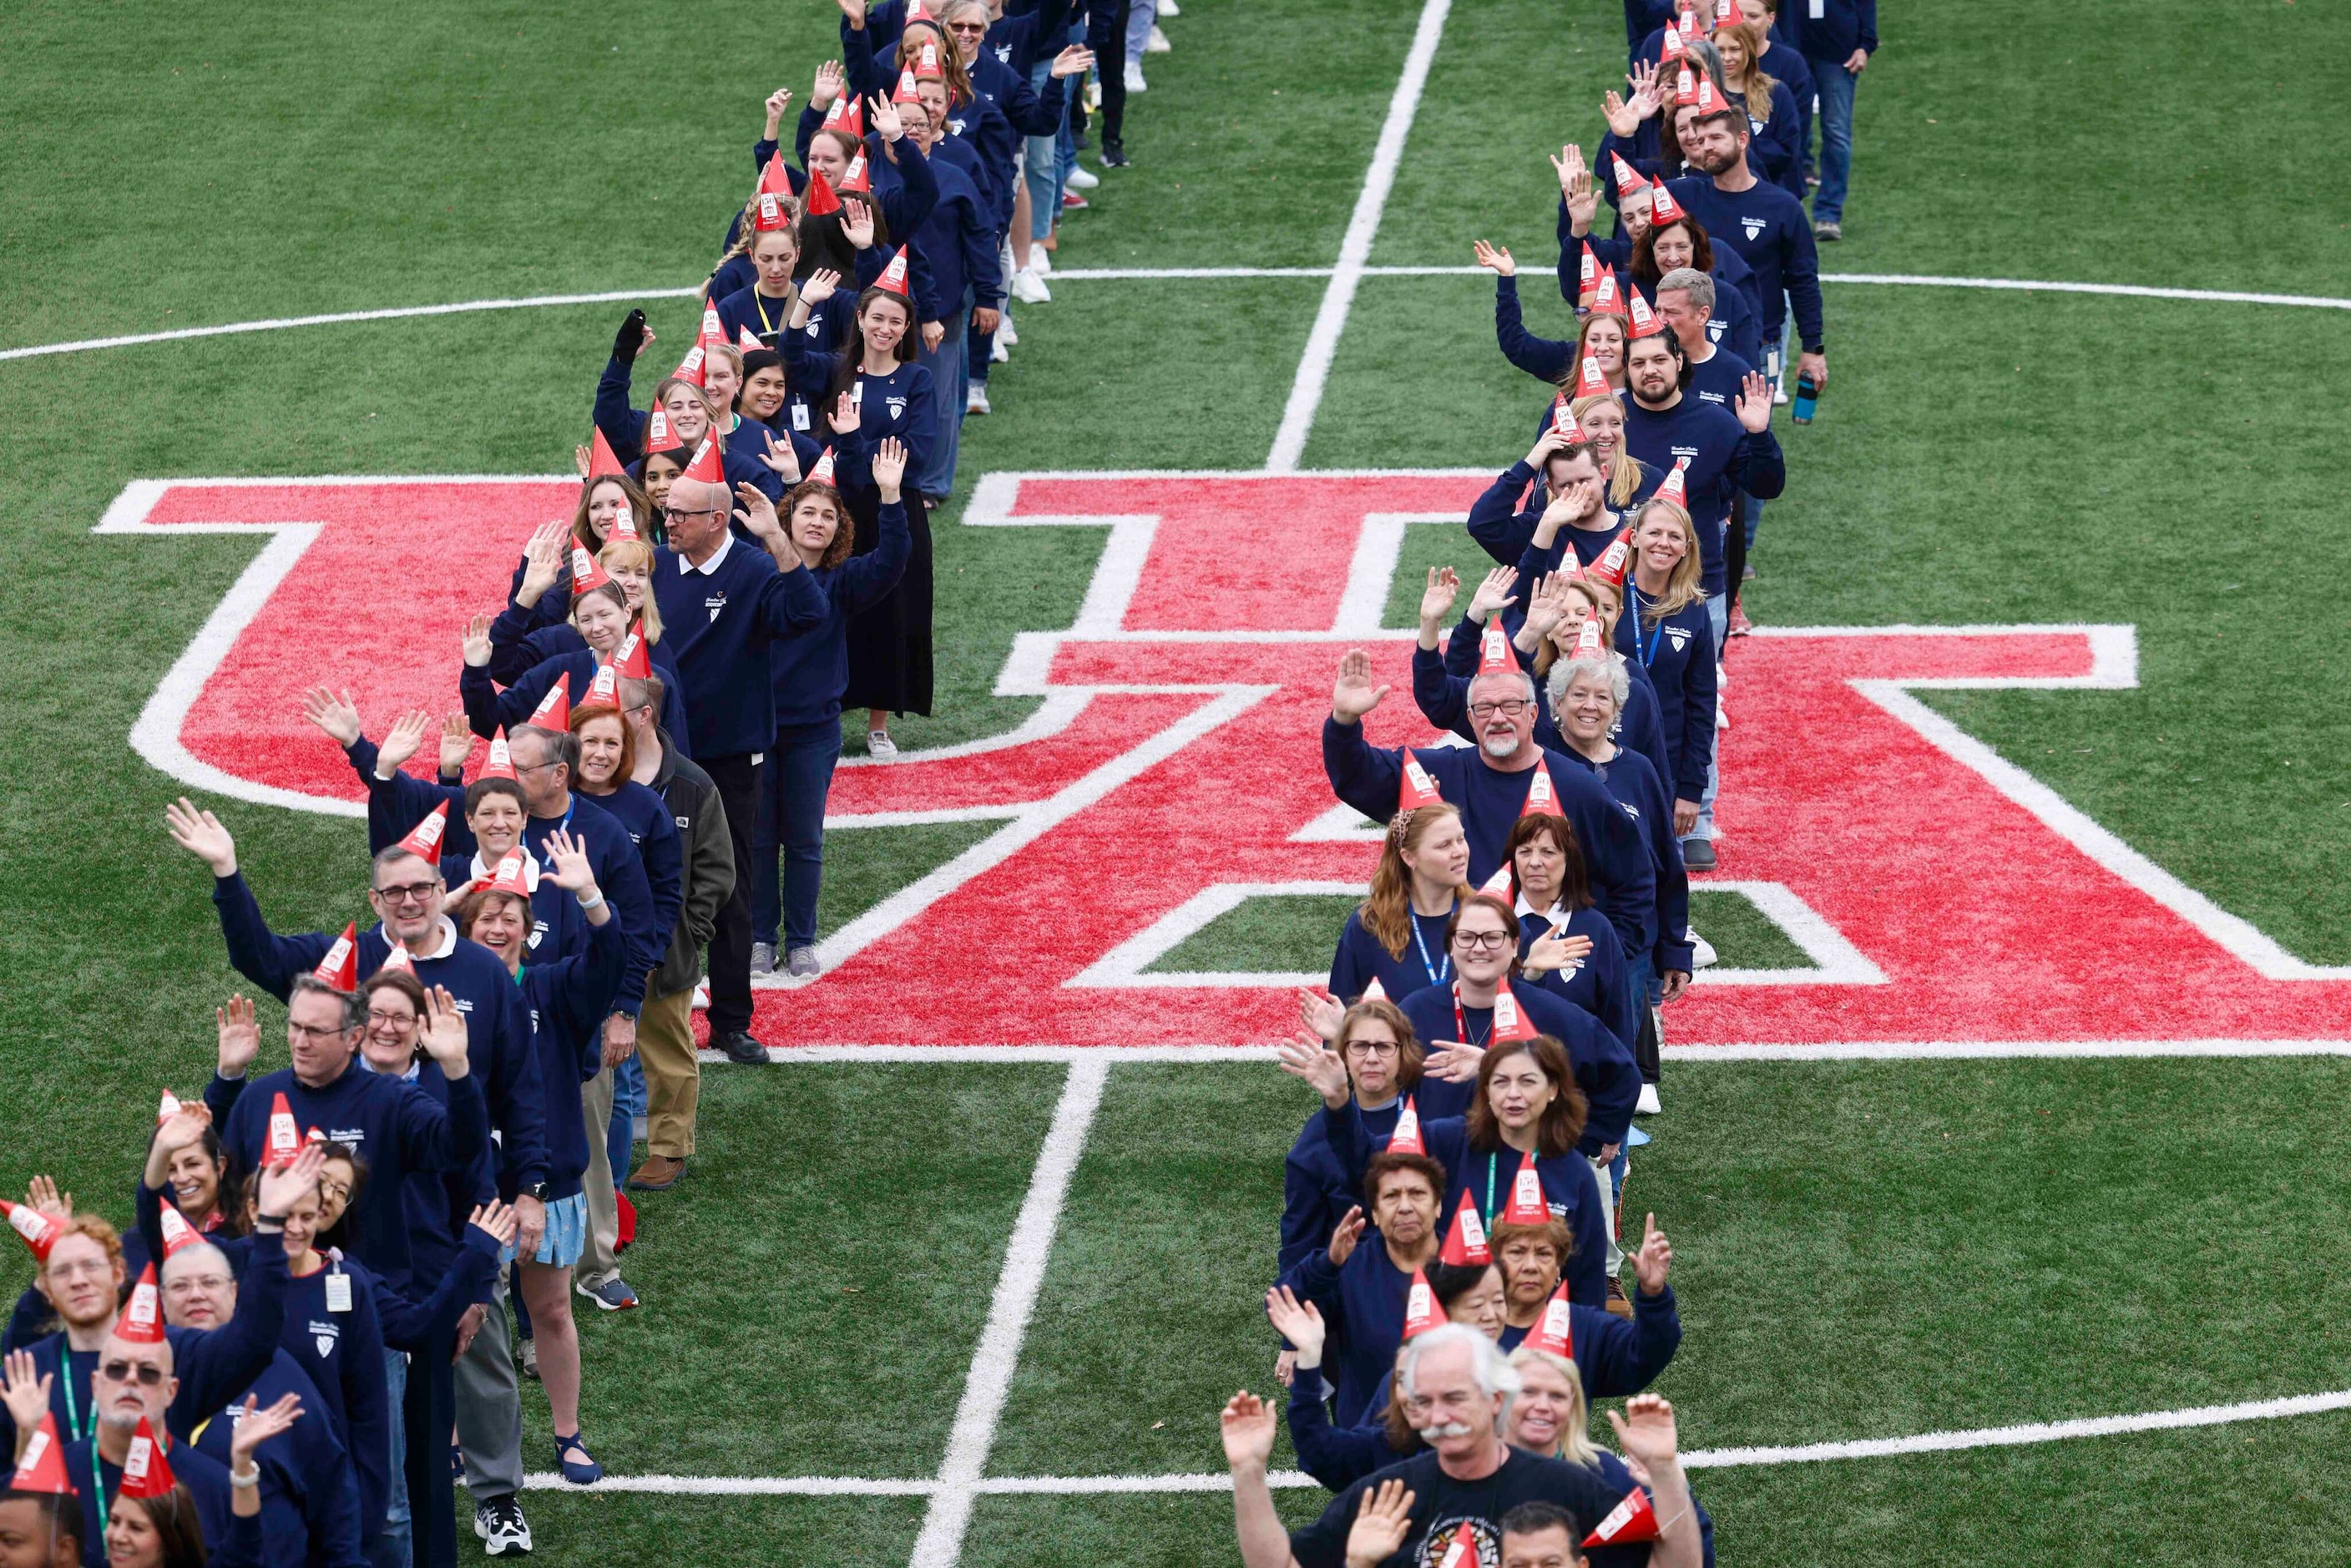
(1455, 1383)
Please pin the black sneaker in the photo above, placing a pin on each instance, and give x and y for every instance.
(1697, 854)
(500, 1524)
(1113, 155)
(739, 1047)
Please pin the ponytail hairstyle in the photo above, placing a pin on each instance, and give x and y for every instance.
(1386, 913)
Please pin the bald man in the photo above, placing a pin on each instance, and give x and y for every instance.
(723, 600)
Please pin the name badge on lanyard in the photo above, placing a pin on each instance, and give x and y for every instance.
(800, 416)
(338, 1291)
(1817, 10)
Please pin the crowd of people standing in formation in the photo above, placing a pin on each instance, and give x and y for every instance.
(1450, 1294)
(337, 1275)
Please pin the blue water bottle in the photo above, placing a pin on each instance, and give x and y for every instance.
(1807, 397)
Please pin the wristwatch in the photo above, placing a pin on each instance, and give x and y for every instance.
(537, 1189)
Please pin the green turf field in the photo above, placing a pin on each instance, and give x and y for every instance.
(1864, 1250)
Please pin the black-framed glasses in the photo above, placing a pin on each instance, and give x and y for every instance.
(1509, 706)
(419, 890)
(1490, 941)
(1372, 1048)
(672, 514)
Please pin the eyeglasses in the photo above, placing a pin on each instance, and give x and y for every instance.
(187, 1285)
(334, 1191)
(391, 1021)
(532, 766)
(313, 1035)
(1371, 1047)
(1512, 706)
(673, 513)
(411, 892)
(124, 1371)
(1476, 940)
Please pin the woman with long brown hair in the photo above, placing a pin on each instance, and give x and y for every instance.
(1396, 935)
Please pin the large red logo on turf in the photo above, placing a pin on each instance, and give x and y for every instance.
(1172, 770)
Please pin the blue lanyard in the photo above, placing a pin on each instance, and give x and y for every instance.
(1437, 976)
(1649, 654)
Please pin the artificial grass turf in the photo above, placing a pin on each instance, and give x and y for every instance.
(1861, 1251)
(1742, 935)
(1283, 934)
(590, 1529)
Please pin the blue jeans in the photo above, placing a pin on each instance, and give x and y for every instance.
(628, 1104)
(1047, 157)
(1718, 615)
(948, 387)
(1835, 85)
(1139, 18)
(791, 814)
(395, 1547)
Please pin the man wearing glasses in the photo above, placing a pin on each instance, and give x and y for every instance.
(1492, 785)
(721, 608)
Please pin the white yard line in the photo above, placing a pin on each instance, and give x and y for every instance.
(2022, 1435)
(1839, 1051)
(999, 1355)
(1136, 274)
(1355, 248)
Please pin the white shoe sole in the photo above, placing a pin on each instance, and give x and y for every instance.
(1702, 953)
(1030, 289)
(1157, 43)
(1648, 1105)
(1134, 82)
(1082, 178)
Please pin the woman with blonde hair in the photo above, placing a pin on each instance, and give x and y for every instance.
(1771, 118)
(1667, 630)
(1396, 935)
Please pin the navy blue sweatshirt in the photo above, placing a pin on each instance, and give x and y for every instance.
(1362, 1303)
(212, 1364)
(1602, 1063)
(1315, 1195)
(1842, 27)
(1615, 861)
(1719, 381)
(1638, 788)
(1770, 231)
(958, 242)
(1638, 724)
(1360, 959)
(310, 1484)
(719, 623)
(489, 710)
(567, 1000)
(497, 1036)
(899, 404)
(1773, 141)
(1484, 1177)
(520, 640)
(1600, 985)
(1679, 652)
(206, 1480)
(395, 1126)
(810, 667)
(623, 877)
(1724, 460)
(1546, 358)
(1506, 531)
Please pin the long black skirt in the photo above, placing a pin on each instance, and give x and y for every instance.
(889, 645)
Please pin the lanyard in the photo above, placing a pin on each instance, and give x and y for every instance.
(1438, 972)
(74, 1433)
(768, 328)
(1462, 1024)
(1649, 654)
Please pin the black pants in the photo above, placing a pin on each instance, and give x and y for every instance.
(1734, 546)
(737, 778)
(1111, 62)
(428, 1410)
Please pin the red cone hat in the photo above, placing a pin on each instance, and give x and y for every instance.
(823, 471)
(554, 709)
(1628, 180)
(707, 464)
(630, 657)
(1543, 795)
(714, 331)
(1494, 651)
(1418, 787)
(38, 1231)
(1608, 298)
(1646, 322)
(906, 92)
(145, 1471)
(1510, 1020)
(512, 875)
(689, 369)
(1500, 884)
(1465, 1239)
(285, 1138)
(1663, 208)
(1405, 1139)
(1527, 1204)
(42, 1466)
(1633, 1520)
(1676, 488)
(166, 1107)
(1590, 380)
(1555, 1333)
(500, 763)
(588, 574)
(660, 435)
(846, 115)
(893, 277)
(141, 1322)
(1421, 1313)
(1587, 278)
(340, 967)
(856, 180)
(1610, 565)
(423, 840)
(776, 180)
(602, 459)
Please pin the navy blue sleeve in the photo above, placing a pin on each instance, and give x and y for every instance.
(1361, 775)
(622, 877)
(663, 855)
(1869, 25)
(1760, 466)
(583, 990)
(1697, 712)
(622, 426)
(484, 705)
(1617, 862)
(1621, 998)
(1314, 1279)
(367, 1405)
(1494, 516)
(866, 77)
(515, 643)
(215, 1367)
(865, 580)
(434, 1139)
(412, 1326)
(1612, 1087)
(1799, 275)
(980, 259)
(789, 600)
(1443, 699)
(1028, 111)
(398, 803)
(259, 953)
(1461, 649)
(1586, 1269)
(920, 423)
(28, 1323)
(1338, 1457)
(1544, 358)
(810, 122)
(1305, 1211)
(918, 193)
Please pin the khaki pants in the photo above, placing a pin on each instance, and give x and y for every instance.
(673, 1074)
(1600, 1178)
(599, 1259)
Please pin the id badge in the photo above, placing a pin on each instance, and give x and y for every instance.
(338, 1292)
(800, 416)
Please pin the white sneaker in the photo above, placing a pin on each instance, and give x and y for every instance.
(1005, 335)
(1041, 262)
(1702, 954)
(1134, 82)
(1167, 8)
(998, 354)
(1157, 44)
(1780, 397)
(975, 401)
(879, 746)
(1082, 178)
(1028, 288)
(1647, 1104)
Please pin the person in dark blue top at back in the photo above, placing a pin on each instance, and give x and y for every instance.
(810, 670)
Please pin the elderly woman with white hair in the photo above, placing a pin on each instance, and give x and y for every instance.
(1457, 1389)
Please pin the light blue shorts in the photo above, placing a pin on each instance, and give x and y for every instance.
(567, 1232)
